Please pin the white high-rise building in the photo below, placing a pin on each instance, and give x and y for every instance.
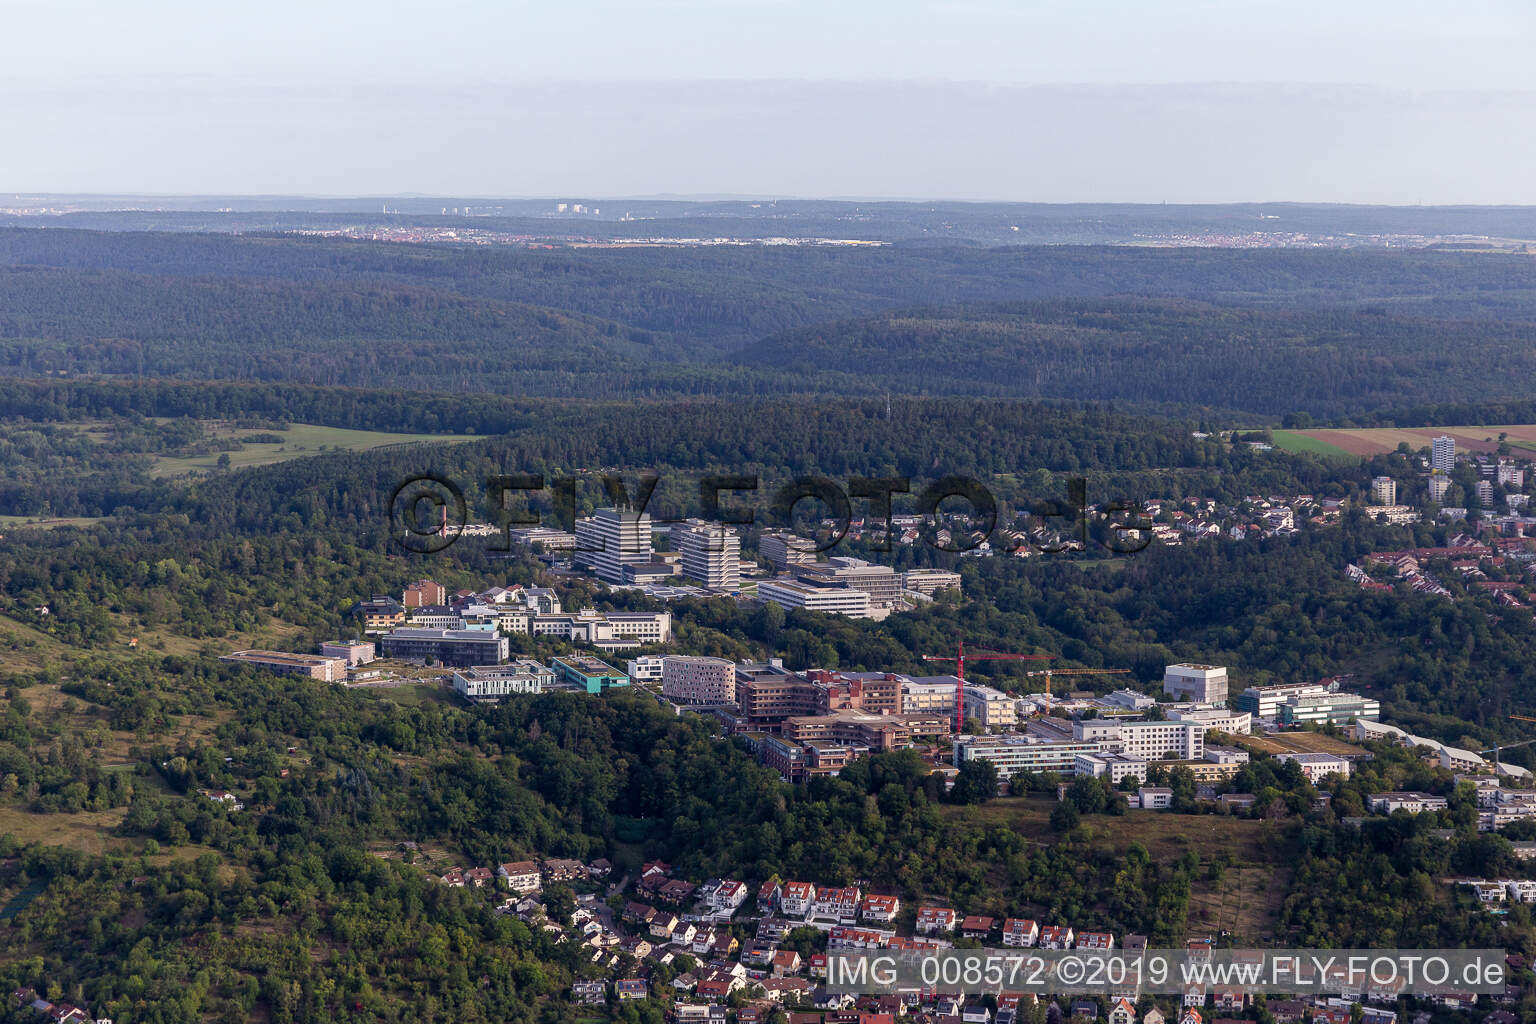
(786, 551)
(1383, 491)
(1439, 484)
(710, 553)
(611, 539)
(1442, 453)
(1202, 684)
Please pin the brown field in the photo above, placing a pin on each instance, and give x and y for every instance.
(1300, 743)
(1377, 440)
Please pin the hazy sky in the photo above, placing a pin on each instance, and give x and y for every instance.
(1050, 100)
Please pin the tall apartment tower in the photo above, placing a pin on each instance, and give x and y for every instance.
(1439, 484)
(611, 539)
(1384, 491)
(710, 553)
(1442, 453)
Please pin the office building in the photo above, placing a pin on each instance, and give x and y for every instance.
(1011, 754)
(1199, 684)
(490, 684)
(880, 582)
(1383, 491)
(459, 648)
(709, 553)
(586, 673)
(1442, 453)
(353, 652)
(792, 594)
(692, 680)
(611, 539)
(786, 551)
(1265, 701)
(1150, 741)
(930, 581)
(327, 670)
(1217, 719)
(645, 669)
(1329, 709)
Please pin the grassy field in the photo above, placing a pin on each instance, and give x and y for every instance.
(299, 440)
(1367, 441)
(1296, 441)
(1300, 743)
(43, 523)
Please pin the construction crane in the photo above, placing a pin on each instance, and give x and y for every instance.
(959, 660)
(1506, 746)
(1048, 672)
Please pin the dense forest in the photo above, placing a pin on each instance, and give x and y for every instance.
(1350, 332)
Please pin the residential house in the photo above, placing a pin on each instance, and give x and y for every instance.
(935, 920)
(879, 908)
(631, 988)
(519, 875)
(479, 877)
(795, 899)
(786, 961)
(1122, 1013)
(768, 896)
(1095, 940)
(836, 903)
(727, 896)
(1056, 936)
(976, 927)
(663, 924)
(1020, 931)
(564, 870)
(588, 993)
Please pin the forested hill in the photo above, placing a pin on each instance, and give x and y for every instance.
(1267, 332)
(1330, 363)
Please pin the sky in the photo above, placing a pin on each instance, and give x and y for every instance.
(1029, 100)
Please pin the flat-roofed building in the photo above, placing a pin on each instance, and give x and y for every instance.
(786, 551)
(1202, 684)
(1151, 741)
(645, 669)
(1013, 753)
(489, 684)
(710, 553)
(695, 680)
(930, 581)
(1265, 701)
(584, 672)
(353, 652)
(1115, 767)
(994, 709)
(793, 594)
(857, 728)
(327, 670)
(459, 648)
(880, 582)
(610, 539)
(1317, 766)
(423, 592)
(1238, 723)
(1330, 709)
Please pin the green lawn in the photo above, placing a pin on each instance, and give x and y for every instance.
(1290, 441)
(299, 440)
(47, 523)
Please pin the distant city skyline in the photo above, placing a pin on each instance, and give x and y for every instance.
(1047, 101)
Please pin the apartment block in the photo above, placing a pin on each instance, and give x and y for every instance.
(694, 680)
(327, 670)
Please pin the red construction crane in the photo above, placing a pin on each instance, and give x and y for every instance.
(959, 660)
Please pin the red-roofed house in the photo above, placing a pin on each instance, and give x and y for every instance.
(1020, 931)
(835, 903)
(933, 920)
(879, 908)
(795, 899)
(1095, 940)
(976, 927)
(1056, 936)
